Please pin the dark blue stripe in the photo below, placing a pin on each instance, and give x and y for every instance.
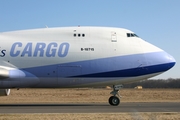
(118, 66)
(132, 72)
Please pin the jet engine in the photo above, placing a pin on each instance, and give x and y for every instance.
(4, 92)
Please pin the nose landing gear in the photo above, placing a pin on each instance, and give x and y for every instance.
(114, 100)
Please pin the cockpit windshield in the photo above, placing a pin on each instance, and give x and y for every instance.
(131, 35)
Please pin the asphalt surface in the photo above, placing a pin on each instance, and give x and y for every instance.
(89, 108)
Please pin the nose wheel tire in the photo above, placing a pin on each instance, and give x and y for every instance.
(114, 101)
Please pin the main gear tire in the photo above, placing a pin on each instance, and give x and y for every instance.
(114, 101)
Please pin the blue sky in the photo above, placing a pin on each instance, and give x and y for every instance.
(156, 21)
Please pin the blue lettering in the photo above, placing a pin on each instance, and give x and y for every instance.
(39, 48)
(3, 53)
(63, 49)
(12, 51)
(27, 50)
(50, 51)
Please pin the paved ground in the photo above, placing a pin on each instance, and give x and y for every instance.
(89, 108)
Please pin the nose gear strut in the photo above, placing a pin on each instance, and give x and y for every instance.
(115, 99)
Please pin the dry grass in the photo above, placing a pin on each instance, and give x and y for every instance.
(93, 116)
(89, 95)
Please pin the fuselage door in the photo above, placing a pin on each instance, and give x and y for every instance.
(113, 37)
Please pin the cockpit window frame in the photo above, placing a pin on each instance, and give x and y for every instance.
(136, 35)
(131, 35)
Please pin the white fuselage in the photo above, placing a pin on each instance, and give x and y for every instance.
(77, 57)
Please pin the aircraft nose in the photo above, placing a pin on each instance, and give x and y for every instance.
(160, 62)
(165, 61)
(170, 59)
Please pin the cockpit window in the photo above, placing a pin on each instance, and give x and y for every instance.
(131, 35)
(136, 35)
(128, 35)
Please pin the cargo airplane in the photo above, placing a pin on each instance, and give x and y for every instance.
(74, 57)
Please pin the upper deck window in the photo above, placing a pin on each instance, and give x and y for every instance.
(131, 35)
(79, 35)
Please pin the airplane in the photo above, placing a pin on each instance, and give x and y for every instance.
(74, 57)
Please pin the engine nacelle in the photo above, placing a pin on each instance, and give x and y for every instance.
(4, 92)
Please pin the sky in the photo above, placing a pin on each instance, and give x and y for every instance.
(156, 21)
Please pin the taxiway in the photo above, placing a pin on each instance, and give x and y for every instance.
(90, 108)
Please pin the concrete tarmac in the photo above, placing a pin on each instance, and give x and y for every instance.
(90, 108)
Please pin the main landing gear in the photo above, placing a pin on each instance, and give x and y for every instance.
(114, 100)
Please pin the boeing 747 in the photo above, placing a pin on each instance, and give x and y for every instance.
(74, 57)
